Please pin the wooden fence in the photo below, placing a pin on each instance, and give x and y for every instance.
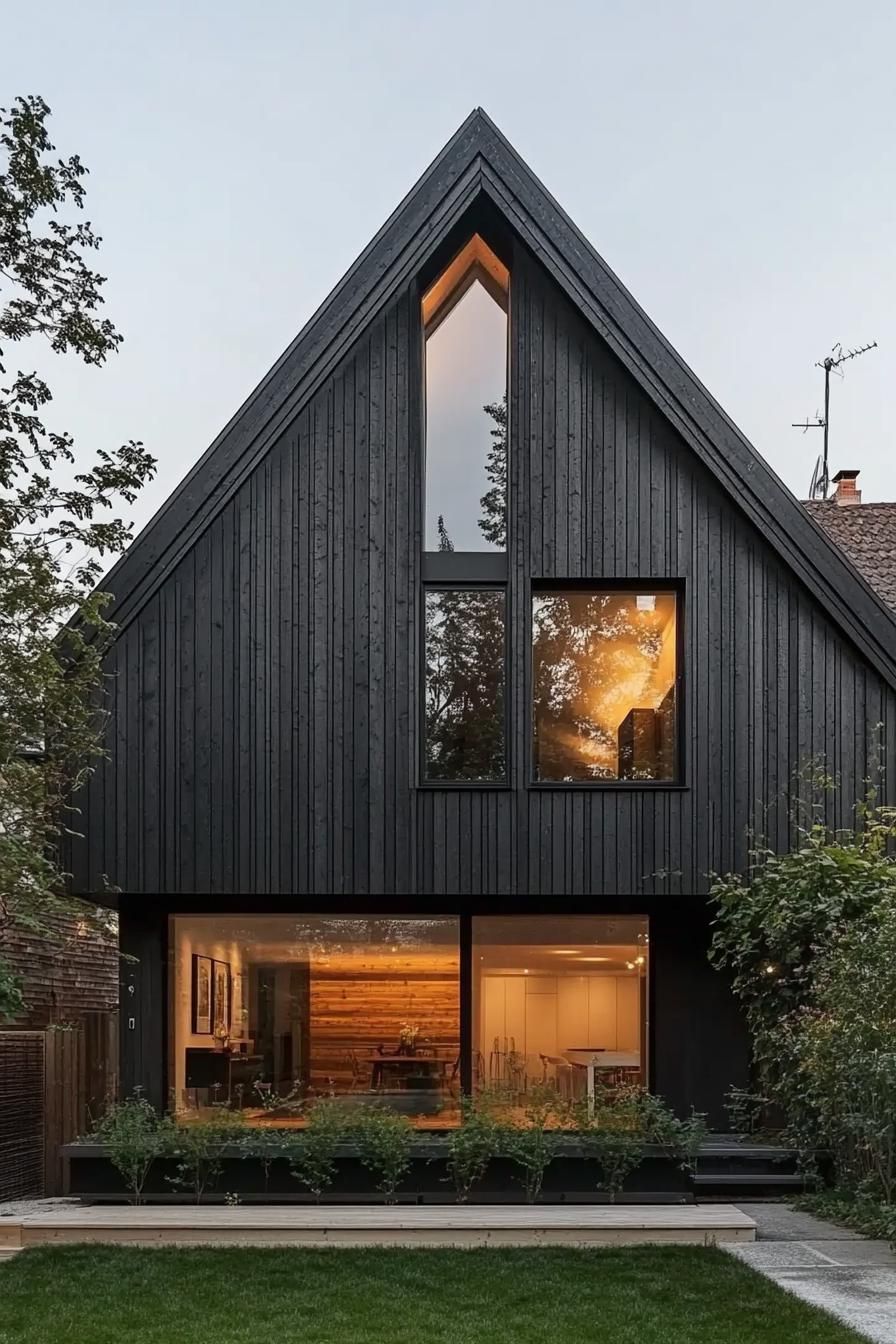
(53, 1084)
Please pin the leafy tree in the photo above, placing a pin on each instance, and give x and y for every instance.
(775, 928)
(845, 1051)
(58, 524)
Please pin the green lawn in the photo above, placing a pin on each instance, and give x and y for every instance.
(652, 1295)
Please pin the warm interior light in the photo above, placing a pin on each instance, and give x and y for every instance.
(564, 951)
(475, 261)
(595, 958)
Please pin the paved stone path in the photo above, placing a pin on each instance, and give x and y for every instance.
(847, 1274)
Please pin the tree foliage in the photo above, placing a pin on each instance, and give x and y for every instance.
(465, 648)
(493, 520)
(845, 1051)
(58, 519)
(786, 931)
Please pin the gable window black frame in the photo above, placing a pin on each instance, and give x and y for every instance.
(607, 584)
(472, 254)
(451, 381)
(474, 782)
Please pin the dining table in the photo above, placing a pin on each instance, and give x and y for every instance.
(403, 1064)
(595, 1059)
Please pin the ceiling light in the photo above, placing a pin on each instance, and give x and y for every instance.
(564, 951)
(595, 958)
(645, 602)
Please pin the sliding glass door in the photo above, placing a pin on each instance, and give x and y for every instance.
(559, 999)
(269, 1011)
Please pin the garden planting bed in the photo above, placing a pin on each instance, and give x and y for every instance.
(570, 1178)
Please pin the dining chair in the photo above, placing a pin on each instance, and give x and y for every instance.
(358, 1079)
(563, 1075)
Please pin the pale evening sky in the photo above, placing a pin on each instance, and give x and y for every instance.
(733, 164)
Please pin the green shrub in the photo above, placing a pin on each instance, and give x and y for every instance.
(263, 1145)
(867, 1216)
(471, 1147)
(134, 1135)
(311, 1152)
(610, 1128)
(773, 926)
(198, 1149)
(384, 1140)
(534, 1141)
(845, 1049)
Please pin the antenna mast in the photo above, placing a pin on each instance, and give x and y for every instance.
(834, 360)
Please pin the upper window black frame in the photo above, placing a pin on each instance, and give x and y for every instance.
(422, 781)
(599, 584)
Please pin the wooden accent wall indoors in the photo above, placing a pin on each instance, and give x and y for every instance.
(358, 1013)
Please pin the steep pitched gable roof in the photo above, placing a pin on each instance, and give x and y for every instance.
(866, 533)
(478, 162)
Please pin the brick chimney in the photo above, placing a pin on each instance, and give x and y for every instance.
(847, 492)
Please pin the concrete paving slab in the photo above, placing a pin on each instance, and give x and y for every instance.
(770, 1256)
(851, 1276)
(780, 1222)
(862, 1297)
(855, 1252)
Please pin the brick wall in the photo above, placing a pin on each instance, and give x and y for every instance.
(69, 972)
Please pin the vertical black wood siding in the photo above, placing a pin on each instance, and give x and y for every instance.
(265, 699)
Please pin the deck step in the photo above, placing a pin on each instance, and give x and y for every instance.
(791, 1180)
(409, 1226)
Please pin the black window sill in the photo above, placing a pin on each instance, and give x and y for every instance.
(549, 786)
(609, 785)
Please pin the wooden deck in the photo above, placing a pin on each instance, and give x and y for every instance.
(378, 1225)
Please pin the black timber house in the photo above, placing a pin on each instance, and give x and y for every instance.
(478, 638)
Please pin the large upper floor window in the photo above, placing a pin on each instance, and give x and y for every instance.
(465, 326)
(604, 685)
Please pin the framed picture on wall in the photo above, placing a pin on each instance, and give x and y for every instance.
(239, 1003)
(221, 996)
(202, 995)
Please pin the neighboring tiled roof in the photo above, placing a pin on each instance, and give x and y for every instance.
(867, 534)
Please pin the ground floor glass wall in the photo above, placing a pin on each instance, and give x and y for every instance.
(559, 999)
(270, 1010)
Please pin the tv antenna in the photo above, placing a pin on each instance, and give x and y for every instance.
(837, 357)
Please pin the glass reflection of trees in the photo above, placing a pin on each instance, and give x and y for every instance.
(465, 646)
(465, 684)
(603, 671)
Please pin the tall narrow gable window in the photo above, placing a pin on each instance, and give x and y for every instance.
(464, 315)
(465, 326)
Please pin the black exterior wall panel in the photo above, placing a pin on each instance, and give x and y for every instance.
(264, 734)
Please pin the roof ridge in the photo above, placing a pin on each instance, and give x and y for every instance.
(478, 161)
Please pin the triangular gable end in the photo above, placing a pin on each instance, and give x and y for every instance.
(478, 162)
